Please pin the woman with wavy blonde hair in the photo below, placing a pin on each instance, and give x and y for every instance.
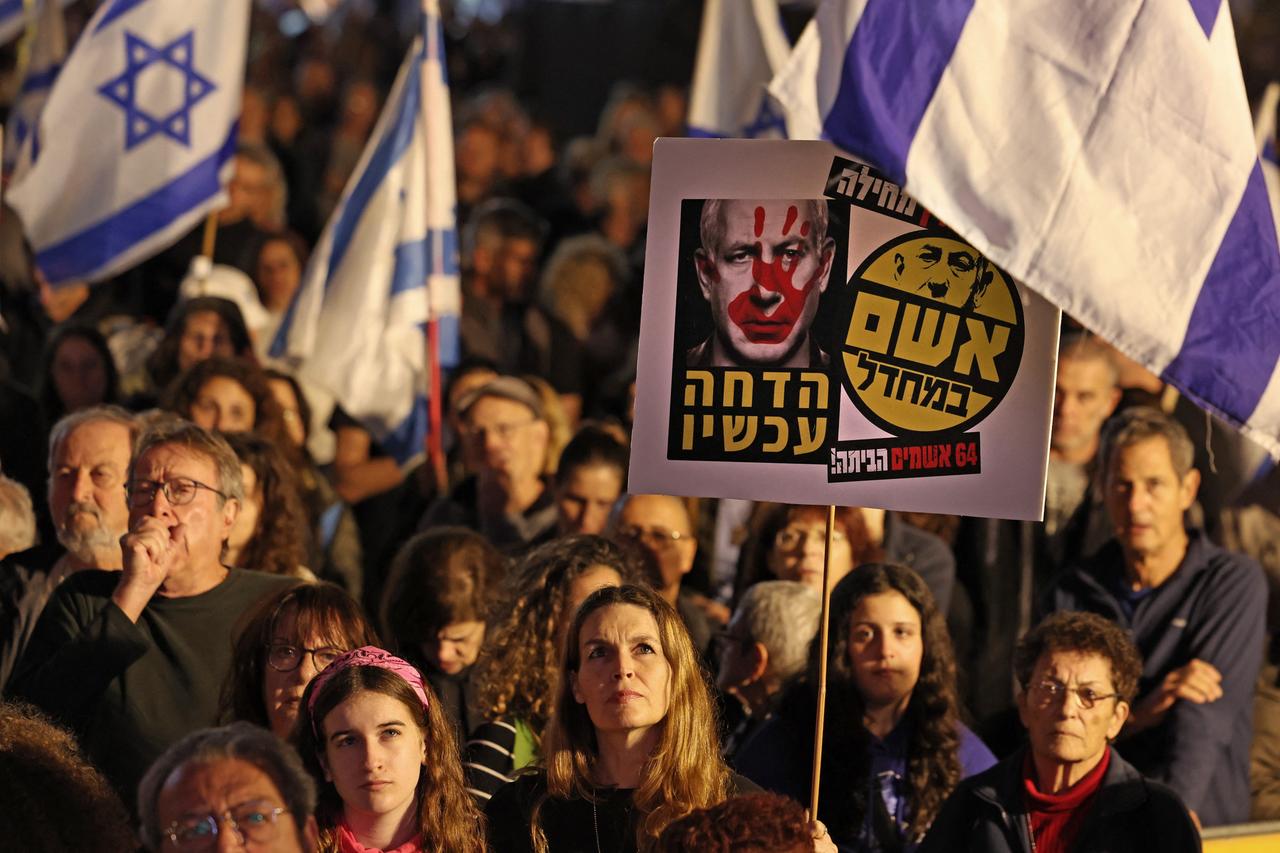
(631, 745)
(517, 679)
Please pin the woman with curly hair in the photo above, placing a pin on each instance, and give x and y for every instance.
(270, 533)
(229, 396)
(894, 746)
(372, 734)
(631, 745)
(516, 678)
(286, 640)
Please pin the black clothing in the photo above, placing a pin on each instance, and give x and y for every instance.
(572, 826)
(1129, 814)
(457, 697)
(507, 533)
(128, 691)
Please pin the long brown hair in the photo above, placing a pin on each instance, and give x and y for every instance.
(932, 714)
(684, 771)
(447, 815)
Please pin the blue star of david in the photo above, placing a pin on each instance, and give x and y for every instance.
(140, 125)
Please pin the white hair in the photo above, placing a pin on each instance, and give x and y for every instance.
(783, 616)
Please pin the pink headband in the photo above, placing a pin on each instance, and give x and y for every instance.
(367, 656)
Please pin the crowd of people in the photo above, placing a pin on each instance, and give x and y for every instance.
(228, 614)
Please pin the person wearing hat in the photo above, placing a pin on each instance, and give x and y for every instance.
(504, 441)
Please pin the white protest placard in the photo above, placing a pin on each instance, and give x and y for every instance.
(811, 335)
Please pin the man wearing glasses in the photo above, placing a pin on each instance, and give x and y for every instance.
(133, 660)
(1069, 789)
(660, 528)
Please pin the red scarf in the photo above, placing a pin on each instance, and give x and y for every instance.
(1056, 818)
(347, 843)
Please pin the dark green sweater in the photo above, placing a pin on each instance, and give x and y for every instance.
(127, 690)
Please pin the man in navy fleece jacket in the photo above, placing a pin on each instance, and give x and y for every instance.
(1197, 613)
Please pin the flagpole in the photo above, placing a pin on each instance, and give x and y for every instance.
(435, 416)
(210, 235)
(822, 667)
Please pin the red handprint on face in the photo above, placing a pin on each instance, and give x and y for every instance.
(768, 310)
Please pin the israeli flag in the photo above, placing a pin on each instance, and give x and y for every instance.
(1264, 129)
(1102, 153)
(47, 52)
(137, 135)
(741, 46)
(387, 263)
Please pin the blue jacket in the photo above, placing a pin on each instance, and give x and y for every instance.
(1212, 608)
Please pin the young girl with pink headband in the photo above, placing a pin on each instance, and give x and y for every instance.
(385, 760)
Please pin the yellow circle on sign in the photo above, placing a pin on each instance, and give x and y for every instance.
(935, 335)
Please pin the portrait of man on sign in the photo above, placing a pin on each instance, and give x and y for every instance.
(762, 268)
(944, 269)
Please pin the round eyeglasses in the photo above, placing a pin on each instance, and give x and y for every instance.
(1049, 691)
(286, 657)
(254, 822)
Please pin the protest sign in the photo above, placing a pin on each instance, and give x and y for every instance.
(810, 334)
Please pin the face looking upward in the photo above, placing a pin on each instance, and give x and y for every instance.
(623, 675)
(886, 648)
(764, 279)
(374, 752)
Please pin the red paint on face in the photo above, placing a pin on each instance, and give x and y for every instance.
(760, 316)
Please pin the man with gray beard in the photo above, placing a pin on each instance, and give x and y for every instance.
(89, 454)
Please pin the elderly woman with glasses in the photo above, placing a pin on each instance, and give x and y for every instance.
(1069, 790)
(289, 638)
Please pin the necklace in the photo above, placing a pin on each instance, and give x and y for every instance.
(595, 821)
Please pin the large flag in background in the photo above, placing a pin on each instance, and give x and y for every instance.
(1264, 131)
(47, 51)
(387, 263)
(741, 46)
(137, 136)
(1100, 152)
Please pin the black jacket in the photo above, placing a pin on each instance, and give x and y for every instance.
(987, 813)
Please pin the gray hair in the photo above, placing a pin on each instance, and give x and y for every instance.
(17, 517)
(82, 417)
(199, 440)
(711, 226)
(261, 155)
(783, 616)
(238, 741)
(1139, 424)
(1085, 346)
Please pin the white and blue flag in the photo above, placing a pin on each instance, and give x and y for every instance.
(1102, 153)
(45, 55)
(137, 136)
(741, 46)
(387, 264)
